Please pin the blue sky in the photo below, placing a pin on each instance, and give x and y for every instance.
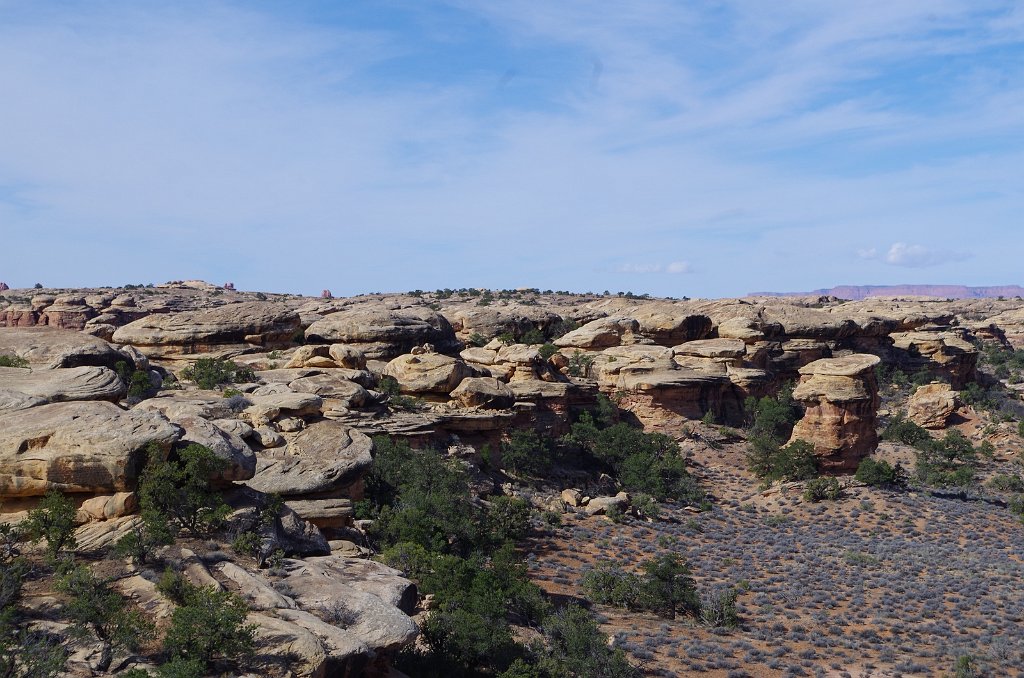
(676, 148)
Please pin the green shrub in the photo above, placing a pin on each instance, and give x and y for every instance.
(547, 350)
(53, 520)
(819, 489)
(210, 625)
(1003, 482)
(508, 518)
(477, 339)
(140, 386)
(94, 607)
(666, 587)
(572, 645)
(772, 417)
(579, 364)
(532, 337)
(879, 473)
(643, 462)
(12, 361)
(419, 496)
(246, 543)
(768, 461)
(902, 430)
(949, 462)
(178, 495)
(209, 373)
(527, 453)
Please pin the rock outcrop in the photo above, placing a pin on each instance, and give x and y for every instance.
(50, 347)
(84, 447)
(427, 373)
(931, 405)
(247, 324)
(60, 385)
(840, 396)
(384, 334)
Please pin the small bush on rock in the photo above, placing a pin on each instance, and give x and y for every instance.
(209, 373)
(12, 361)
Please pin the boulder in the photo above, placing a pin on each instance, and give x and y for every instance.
(599, 506)
(252, 323)
(931, 405)
(50, 347)
(91, 447)
(840, 396)
(325, 457)
(601, 333)
(265, 408)
(12, 401)
(483, 392)
(347, 356)
(670, 326)
(311, 356)
(229, 447)
(298, 651)
(333, 386)
(427, 373)
(368, 598)
(107, 507)
(60, 385)
(732, 350)
(384, 333)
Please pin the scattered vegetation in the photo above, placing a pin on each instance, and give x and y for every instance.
(770, 423)
(211, 373)
(651, 463)
(822, 489)
(12, 361)
(880, 473)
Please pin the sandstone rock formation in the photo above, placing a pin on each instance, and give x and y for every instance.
(59, 385)
(427, 373)
(931, 405)
(90, 447)
(841, 400)
(255, 323)
(50, 347)
(384, 334)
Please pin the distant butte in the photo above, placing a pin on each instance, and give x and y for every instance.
(858, 292)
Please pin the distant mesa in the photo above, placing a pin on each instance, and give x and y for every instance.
(229, 286)
(326, 294)
(858, 292)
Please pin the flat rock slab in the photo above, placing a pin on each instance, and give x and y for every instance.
(386, 333)
(59, 385)
(52, 347)
(248, 323)
(92, 447)
(326, 456)
(329, 588)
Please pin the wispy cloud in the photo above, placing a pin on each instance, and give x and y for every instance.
(674, 268)
(812, 128)
(920, 256)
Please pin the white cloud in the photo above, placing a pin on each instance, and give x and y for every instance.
(867, 253)
(919, 256)
(639, 268)
(674, 267)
